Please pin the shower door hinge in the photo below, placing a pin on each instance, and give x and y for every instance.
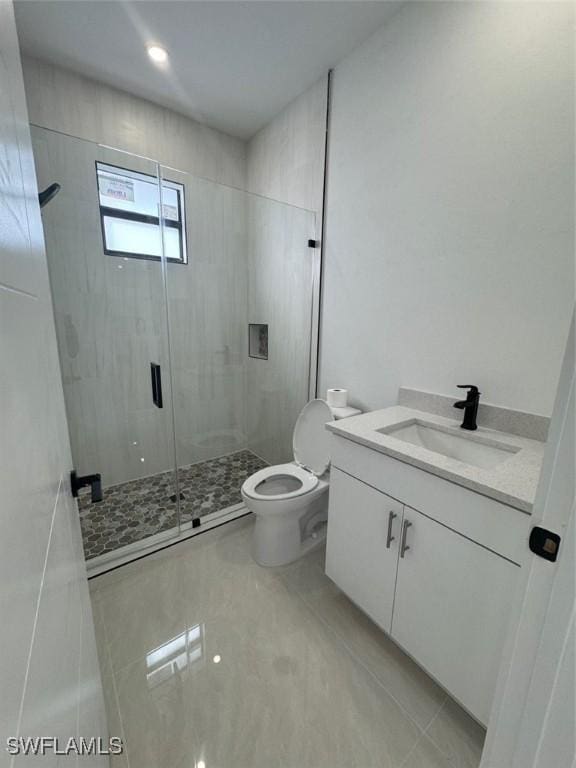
(313, 243)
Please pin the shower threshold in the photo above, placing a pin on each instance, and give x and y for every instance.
(110, 560)
(140, 516)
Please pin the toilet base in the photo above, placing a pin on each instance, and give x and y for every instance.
(282, 539)
(317, 538)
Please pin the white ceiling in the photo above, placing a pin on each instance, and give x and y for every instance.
(233, 65)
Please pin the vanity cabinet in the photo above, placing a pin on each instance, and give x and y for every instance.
(438, 578)
(362, 560)
(451, 609)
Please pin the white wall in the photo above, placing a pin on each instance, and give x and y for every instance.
(65, 101)
(49, 674)
(450, 214)
(285, 161)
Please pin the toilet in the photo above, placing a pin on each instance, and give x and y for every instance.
(290, 501)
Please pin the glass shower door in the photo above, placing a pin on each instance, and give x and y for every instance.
(106, 263)
(240, 313)
(207, 305)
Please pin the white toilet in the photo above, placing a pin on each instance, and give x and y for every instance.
(290, 501)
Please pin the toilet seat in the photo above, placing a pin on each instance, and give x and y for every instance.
(308, 481)
(311, 446)
(310, 439)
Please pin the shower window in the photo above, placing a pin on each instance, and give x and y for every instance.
(130, 210)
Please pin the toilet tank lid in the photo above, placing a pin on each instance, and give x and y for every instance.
(311, 439)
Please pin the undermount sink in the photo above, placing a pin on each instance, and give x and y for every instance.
(469, 449)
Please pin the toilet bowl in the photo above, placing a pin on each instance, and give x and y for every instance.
(290, 501)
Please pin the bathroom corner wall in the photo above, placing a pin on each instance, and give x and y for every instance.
(285, 162)
(49, 674)
(450, 212)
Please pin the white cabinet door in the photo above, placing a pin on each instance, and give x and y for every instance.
(362, 544)
(451, 609)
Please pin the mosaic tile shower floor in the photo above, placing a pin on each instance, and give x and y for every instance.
(138, 509)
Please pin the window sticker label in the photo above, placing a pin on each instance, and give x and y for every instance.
(119, 189)
(170, 212)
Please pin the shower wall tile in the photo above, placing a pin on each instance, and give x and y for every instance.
(47, 623)
(285, 159)
(64, 101)
(285, 162)
(210, 412)
(280, 272)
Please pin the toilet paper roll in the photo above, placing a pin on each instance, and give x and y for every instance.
(337, 398)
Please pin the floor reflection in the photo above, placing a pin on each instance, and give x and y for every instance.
(175, 656)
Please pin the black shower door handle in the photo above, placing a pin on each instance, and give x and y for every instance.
(156, 384)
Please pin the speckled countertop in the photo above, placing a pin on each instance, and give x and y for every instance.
(511, 482)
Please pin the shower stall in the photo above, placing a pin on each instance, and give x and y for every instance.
(185, 312)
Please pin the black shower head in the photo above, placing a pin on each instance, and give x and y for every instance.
(47, 195)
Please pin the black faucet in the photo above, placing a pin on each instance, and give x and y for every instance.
(469, 406)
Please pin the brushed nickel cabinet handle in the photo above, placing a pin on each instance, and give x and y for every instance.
(390, 538)
(404, 548)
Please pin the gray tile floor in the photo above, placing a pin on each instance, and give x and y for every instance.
(135, 510)
(211, 660)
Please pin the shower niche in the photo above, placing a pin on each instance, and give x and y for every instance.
(258, 340)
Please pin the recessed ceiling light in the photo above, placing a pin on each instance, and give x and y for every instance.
(157, 54)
